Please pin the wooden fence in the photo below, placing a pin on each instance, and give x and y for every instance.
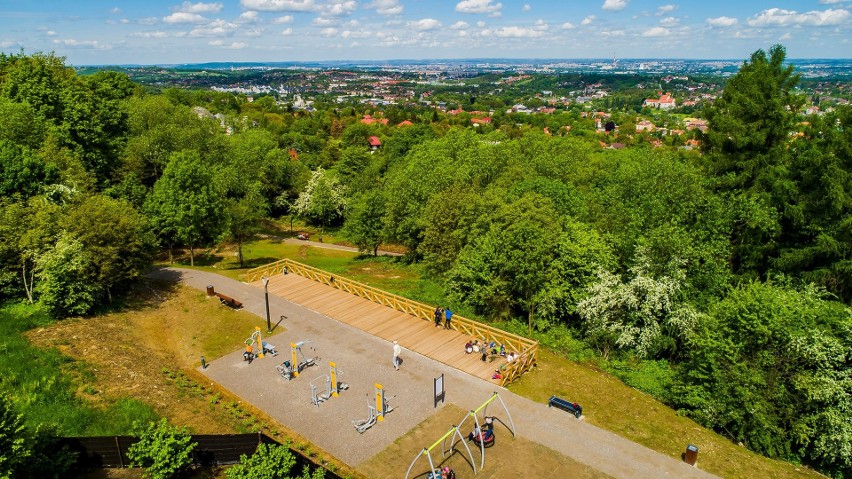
(527, 348)
(212, 450)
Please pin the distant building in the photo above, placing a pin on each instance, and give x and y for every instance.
(374, 142)
(664, 102)
(645, 125)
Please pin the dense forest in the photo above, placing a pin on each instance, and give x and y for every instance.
(724, 273)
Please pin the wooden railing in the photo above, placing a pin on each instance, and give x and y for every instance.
(527, 349)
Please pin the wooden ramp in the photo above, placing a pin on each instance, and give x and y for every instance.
(415, 334)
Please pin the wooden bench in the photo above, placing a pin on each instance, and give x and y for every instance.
(229, 301)
(564, 405)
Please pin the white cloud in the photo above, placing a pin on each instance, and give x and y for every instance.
(280, 5)
(424, 24)
(323, 22)
(283, 19)
(669, 22)
(459, 25)
(776, 17)
(614, 5)
(386, 7)
(154, 34)
(328, 32)
(526, 7)
(518, 32)
(9, 44)
(200, 7)
(480, 24)
(568, 26)
(722, 22)
(657, 32)
(478, 6)
(664, 9)
(287, 32)
(184, 17)
(233, 46)
(82, 44)
(831, 2)
(339, 7)
(148, 21)
(785, 37)
(115, 10)
(612, 33)
(588, 20)
(355, 34)
(216, 28)
(248, 17)
(51, 33)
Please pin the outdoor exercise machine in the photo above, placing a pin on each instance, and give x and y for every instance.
(377, 413)
(332, 386)
(489, 420)
(254, 348)
(291, 368)
(453, 433)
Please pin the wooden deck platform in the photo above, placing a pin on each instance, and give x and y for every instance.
(414, 334)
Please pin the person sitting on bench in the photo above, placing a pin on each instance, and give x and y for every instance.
(248, 355)
(468, 347)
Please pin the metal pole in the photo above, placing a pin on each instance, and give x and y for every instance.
(266, 297)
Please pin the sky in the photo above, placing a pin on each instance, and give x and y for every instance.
(98, 32)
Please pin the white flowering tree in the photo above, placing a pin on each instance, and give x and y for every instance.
(644, 314)
(323, 200)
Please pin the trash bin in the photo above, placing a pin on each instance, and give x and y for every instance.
(691, 456)
(210, 291)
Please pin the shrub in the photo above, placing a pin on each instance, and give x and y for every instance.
(270, 461)
(164, 450)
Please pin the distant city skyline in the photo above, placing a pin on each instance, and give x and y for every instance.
(168, 32)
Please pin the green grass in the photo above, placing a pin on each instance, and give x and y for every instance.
(39, 381)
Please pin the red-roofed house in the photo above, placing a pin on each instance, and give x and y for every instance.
(665, 102)
(405, 123)
(481, 121)
(368, 120)
(374, 142)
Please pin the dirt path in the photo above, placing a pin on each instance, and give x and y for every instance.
(366, 360)
(319, 244)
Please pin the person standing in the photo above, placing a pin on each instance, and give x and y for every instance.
(397, 349)
(448, 316)
(438, 313)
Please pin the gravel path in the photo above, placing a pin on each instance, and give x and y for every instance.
(365, 360)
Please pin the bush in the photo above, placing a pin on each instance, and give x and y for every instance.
(270, 461)
(25, 453)
(164, 450)
(13, 448)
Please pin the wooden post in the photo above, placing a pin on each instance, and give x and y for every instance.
(120, 455)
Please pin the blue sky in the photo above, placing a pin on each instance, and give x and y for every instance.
(163, 32)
